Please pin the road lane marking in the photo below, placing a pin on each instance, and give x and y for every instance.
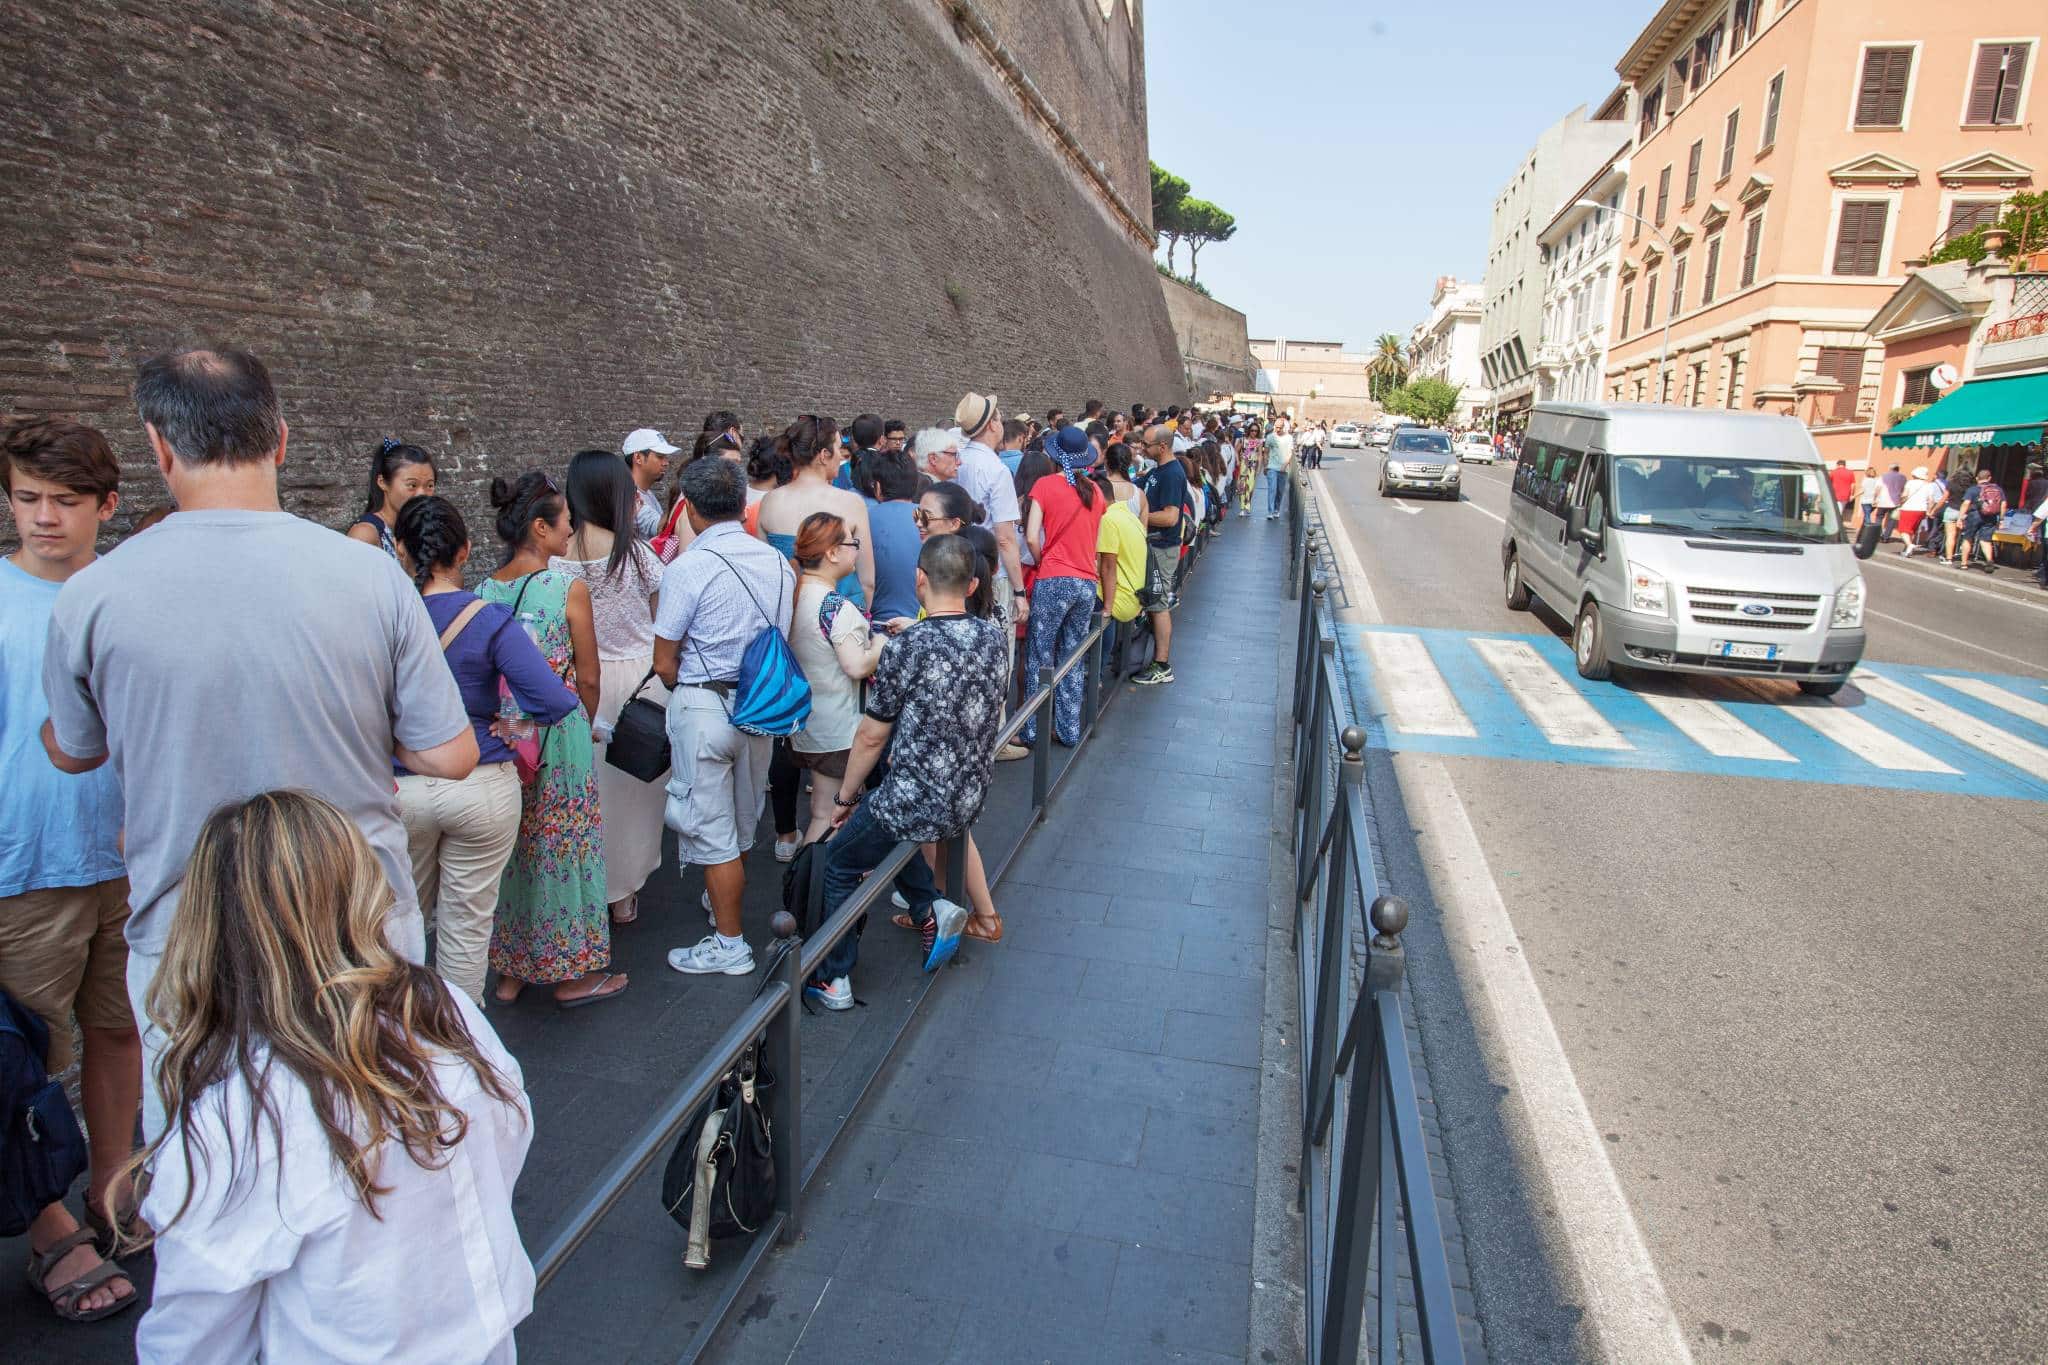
(1483, 512)
(1564, 717)
(1978, 734)
(2023, 707)
(1339, 539)
(1867, 741)
(1959, 587)
(1713, 727)
(1415, 693)
(1954, 640)
(1626, 1305)
(1400, 506)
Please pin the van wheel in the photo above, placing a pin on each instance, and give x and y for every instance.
(1589, 645)
(1511, 580)
(1822, 689)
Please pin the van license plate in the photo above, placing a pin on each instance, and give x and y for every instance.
(1736, 649)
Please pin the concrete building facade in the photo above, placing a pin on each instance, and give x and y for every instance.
(1314, 378)
(1445, 345)
(1511, 325)
(1792, 159)
(1580, 249)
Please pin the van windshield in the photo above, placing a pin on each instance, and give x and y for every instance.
(1773, 498)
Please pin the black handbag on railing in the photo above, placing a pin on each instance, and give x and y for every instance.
(639, 743)
(721, 1180)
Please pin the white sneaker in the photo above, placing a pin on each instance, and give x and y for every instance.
(709, 955)
(835, 995)
(946, 921)
(786, 853)
(896, 899)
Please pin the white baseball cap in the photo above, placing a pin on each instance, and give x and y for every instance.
(646, 438)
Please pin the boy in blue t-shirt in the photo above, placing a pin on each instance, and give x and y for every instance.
(63, 886)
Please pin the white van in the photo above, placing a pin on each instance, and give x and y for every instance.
(1686, 539)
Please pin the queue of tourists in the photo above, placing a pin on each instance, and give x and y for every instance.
(291, 808)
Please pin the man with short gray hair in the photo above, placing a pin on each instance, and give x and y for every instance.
(237, 649)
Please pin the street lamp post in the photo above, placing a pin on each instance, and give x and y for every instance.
(1664, 348)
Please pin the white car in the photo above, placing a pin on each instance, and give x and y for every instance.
(1344, 434)
(1475, 447)
(1380, 436)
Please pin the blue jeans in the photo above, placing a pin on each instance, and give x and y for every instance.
(1276, 483)
(1060, 608)
(857, 849)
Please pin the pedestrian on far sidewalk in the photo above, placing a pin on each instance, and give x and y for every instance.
(1913, 504)
(1983, 506)
(935, 705)
(1891, 489)
(1279, 460)
(715, 599)
(1842, 484)
(63, 888)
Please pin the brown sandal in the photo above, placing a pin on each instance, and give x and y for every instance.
(64, 1298)
(988, 928)
(130, 1233)
(901, 919)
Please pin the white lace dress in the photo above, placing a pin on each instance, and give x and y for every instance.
(631, 809)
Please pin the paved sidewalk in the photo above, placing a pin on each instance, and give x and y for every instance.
(1058, 1163)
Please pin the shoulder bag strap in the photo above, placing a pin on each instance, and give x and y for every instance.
(462, 619)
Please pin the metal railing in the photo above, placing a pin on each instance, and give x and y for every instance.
(774, 1015)
(1365, 1190)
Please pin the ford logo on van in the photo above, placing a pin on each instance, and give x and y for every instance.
(1755, 609)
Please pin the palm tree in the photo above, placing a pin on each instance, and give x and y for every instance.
(1389, 357)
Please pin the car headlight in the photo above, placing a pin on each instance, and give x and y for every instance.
(1647, 593)
(1394, 468)
(1849, 605)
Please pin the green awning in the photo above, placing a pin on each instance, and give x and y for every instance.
(1983, 412)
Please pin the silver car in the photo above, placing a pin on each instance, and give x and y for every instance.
(1420, 460)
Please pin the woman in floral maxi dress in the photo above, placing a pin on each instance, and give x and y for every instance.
(553, 927)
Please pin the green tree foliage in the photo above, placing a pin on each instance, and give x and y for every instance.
(2025, 222)
(1388, 368)
(1204, 223)
(1431, 402)
(1169, 193)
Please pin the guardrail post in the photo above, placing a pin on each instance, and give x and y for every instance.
(1041, 752)
(784, 1058)
(1305, 658)
(1091, 691)
(956, 868)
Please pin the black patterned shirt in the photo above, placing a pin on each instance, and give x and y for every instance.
(941, 683)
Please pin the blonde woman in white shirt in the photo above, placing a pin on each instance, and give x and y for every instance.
(837, 651)
(335, 1179)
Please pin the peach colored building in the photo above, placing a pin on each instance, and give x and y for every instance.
(1791, 157)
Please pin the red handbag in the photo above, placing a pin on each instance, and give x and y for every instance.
(664, 543)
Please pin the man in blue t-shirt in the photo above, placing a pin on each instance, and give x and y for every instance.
(63, 886)
(1166, 503)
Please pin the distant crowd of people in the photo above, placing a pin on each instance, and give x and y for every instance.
(262, 774)
(1952, 517)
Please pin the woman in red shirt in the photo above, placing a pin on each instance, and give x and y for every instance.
(1065, 520)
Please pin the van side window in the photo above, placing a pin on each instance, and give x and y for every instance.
(1593, 491)
(1564, 469)
(1528, 481)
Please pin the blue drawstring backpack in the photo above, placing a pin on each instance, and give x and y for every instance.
(773, 697)
(42, 1151)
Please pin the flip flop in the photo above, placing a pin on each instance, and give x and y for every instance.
(979, 926)
(596, 995)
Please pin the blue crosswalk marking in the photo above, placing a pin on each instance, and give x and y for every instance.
(1497, 695)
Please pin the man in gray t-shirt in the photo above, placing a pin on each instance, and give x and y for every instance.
(236, 649)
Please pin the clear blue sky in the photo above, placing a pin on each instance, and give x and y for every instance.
(1360, 145)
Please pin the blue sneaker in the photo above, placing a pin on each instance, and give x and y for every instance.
(836, 994)
(941, 933)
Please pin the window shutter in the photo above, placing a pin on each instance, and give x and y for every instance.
(1773, 97)
(1692, 170)
(1752, 246)
(1844, 365)
(1966, 215)
(1628, 305)
(1677, 304)
(1919, 389)
(1650, 300)
(1663, 194)
(1859, 237)
(1728, 143)
(1713, 268)
(1995, 85)
(1881, 94)
(1641, 193)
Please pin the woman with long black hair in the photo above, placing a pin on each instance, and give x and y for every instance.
(623, 577)
(398, 472)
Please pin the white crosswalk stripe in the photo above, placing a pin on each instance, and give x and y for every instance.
(1867, 741)
(1961, 725)
(1713, 727)
(1418, 699)
(2024, 707)
(1564, 717)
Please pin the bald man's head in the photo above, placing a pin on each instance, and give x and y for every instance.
(1157, 437)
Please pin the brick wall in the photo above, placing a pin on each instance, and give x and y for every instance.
(1212, 341)
(508, 232)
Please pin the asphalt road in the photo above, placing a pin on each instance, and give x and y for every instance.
(1798, 1018)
